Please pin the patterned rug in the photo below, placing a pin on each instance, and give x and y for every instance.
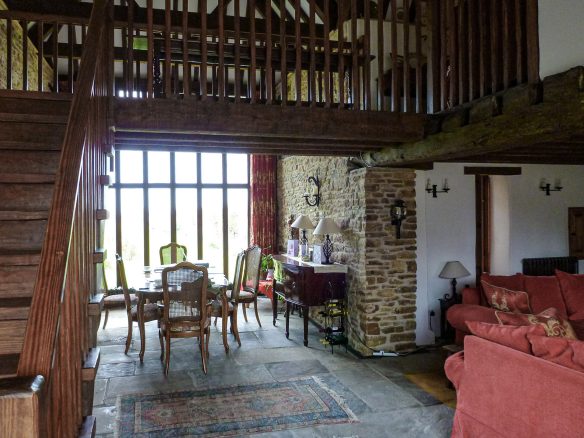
(237, 410)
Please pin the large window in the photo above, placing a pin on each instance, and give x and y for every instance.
(200, 200)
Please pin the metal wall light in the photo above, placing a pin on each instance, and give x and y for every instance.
(433, 188)
(398, 213)
(547, 187)
(313, 198)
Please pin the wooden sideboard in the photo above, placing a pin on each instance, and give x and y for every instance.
(308, 284)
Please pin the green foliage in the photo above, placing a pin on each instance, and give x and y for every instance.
(267, 262)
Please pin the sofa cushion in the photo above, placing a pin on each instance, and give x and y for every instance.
(577, 322)
(459, 314)
(511, 282)
(549, 319)
(506, 300)
(565, 352)
(511, 336)
(572, 289)
(544, 292)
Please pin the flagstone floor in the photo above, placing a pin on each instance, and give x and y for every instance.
(385, 402)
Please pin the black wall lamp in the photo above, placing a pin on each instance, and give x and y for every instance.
(547, 187)
(433, 188)
(315, 192)
(398, 213)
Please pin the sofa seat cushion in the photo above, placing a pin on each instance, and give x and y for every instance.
(572, 289)
(549, 319)
(565, 352)
(510, 336)
(544, 292)
(577, 321)
(459, 314)
(506, 300)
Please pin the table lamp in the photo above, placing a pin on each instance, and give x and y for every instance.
(325, 227)
(453, 270)
(304, 223)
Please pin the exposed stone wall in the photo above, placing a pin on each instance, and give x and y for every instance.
(382, 270)
(17, 59)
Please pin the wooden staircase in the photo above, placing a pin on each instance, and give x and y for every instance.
(32, 127)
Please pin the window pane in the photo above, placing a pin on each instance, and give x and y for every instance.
(159, 167)
(109, 237)
(133, 235)
(237, 168)
(237, 230)
(211, 168)
(130, 167)
(213, 228)
(186, 220)
(185, 164)
(159, 206)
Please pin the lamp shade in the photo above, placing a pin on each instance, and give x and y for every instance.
(303, 222)
(453, 269)
(326, 226)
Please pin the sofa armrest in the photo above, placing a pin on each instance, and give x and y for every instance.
(454, 368)
(471, 295)
(510, 399)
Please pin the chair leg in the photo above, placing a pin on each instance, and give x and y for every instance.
(167, 361)
(207, 341)
(105, 319)
(215, 322)
(255, 306)
(129, 337)
(244, 312)
(161, 344)
(234, 326)
(202, 349)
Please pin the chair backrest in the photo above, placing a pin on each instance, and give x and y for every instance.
(125, 289)
(184, 289)
(251, 278)
(172, 253)
(237, 276)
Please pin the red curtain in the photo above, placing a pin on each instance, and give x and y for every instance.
(263, 202)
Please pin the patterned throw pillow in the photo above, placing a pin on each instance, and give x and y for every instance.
(552, 323)
(506, 300)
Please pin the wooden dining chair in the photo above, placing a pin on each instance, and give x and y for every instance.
(225, 301)
(251, 281)
(186, 310)
(172, 253)
(151, 310)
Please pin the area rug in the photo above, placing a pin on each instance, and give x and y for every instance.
(436, 384)
(236, 410)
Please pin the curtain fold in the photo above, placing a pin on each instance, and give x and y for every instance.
(263, 202)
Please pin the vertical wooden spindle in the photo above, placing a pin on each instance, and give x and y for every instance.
(341, 53)
(453, 53)
(519, 41)
(495, 46)
(380, 66)
(40, 56)
(506, 43)
(130, 85)
(252, 78)
(312, 48)
(203, 70)
(355, 89)
(55, 40)
(283, 67)
(444, 47)
(24, 27)
(298, 56)
(473, 56)
(327, 55)
(395, 93)
(462, 53)
(185, 49)
(420, 97)
(221, 70)
(167, 50)
(532, 33)
(70, 46)
(269, 72)
(237, 48)
(150, 57)
(483, 19)
(9, 53)
(406, 72)
(367, 57)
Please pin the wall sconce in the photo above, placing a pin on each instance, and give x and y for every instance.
(398, 213)
(433, 188)
(546, 186)
(315, 192)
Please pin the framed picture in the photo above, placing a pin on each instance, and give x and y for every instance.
(292, 248)
(317, 255)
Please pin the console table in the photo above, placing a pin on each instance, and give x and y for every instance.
(308, 284)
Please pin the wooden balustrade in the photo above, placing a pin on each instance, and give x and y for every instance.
(404, 56)
(57, 337)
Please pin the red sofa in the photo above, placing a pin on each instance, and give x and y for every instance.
(502, 392)
(565, 292)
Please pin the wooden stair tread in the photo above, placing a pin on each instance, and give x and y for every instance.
(16, 308)
(25, 197)
(29, 162)
(16, 215)
(8, 365)
(22, 235)
(12, 335)
(53, 145)
(31, 178)
(33, 118)
(19, 257)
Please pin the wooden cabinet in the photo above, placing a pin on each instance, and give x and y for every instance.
(576, 230)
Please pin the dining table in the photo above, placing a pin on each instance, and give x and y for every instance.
(151, 292)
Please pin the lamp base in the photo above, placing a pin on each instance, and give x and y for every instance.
(327, 250)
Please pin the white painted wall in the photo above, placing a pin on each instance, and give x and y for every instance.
(527, 223)
(561, 26)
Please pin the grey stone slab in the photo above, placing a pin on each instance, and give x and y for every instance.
(105, 419)
(117, 369)
(272, 355)
(296, 368)
(99, 391)
(154, 383)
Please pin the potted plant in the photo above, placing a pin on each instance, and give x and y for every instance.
(267, 266)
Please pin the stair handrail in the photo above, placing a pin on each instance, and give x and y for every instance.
(42, 329)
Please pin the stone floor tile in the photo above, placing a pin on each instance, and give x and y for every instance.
(296, 368)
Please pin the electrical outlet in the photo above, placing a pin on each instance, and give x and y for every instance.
(432, 313)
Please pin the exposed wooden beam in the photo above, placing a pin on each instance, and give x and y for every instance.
(263, 121)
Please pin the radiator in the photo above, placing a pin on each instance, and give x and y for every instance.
(547, 265)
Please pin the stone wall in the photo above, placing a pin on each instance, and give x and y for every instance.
(381, 292)
(17, 64)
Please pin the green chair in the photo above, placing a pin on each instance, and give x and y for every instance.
(172, 253)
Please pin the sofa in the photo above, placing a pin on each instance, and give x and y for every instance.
(562, 291)
(504, 392)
